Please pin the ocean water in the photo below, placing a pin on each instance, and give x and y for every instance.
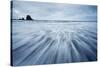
(39, 42)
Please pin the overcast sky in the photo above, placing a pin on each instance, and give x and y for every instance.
(53, 11)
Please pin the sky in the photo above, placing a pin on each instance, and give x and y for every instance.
(54, 11)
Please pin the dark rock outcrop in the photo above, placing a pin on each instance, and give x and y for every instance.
(28, 17)
(22, 18)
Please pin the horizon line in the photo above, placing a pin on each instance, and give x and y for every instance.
(58, 20)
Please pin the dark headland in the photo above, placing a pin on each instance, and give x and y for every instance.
(28, 17)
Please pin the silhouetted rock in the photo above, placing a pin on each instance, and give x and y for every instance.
(22, 18)
(28, 17)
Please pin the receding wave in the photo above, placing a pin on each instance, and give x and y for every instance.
(52, 43)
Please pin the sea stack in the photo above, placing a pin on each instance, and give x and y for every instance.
(28, 17)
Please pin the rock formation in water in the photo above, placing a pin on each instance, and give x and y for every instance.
(28, 17)
(22, 18)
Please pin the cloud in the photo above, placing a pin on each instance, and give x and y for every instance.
(54, 11)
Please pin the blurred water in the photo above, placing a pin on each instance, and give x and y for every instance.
(51, 43)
